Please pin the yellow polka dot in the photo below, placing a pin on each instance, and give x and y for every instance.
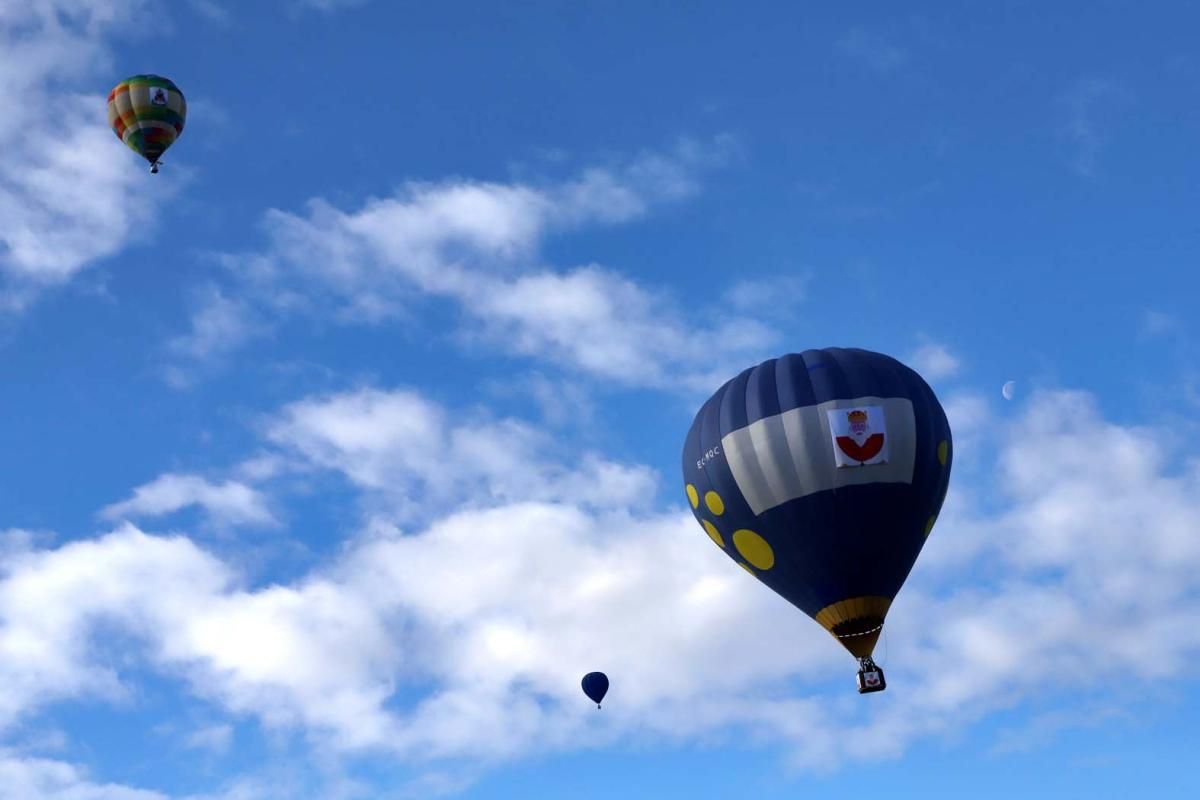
(713, 533)
(929, 524)
(693, 496)
(746, 567)
(754, 548)
(943, 451)
(714, 502)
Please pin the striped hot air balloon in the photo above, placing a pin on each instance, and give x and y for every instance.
(822, 474)
(147, 112)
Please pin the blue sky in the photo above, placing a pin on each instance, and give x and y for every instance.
(333, 455)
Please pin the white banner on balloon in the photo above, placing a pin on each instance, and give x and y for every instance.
(796, 453)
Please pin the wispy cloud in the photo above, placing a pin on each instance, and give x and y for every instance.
(1045, 728)
(414, 452)
(228, 503)
(873, 50)
(476, 244)
(561, 402)
(27, 777)
(211, 10)
(768, 297)
(219, 325)
(1085, 104)
(215, 738)
(1159, 323)
(329, 5)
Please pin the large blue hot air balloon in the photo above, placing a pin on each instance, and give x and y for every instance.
(822, 475)
(595, 686)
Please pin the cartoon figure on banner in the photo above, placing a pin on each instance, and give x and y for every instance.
(859, 436)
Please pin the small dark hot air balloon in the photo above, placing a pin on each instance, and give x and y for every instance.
(147, 113)
(822, 474)
(595, 686)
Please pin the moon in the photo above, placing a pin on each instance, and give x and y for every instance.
(1008, 390)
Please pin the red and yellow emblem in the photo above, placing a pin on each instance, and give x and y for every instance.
(859, 436)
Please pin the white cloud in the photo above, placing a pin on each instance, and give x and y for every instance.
(231, 502)
(1090, 568)
(261, 468)
(476, 245)
(934, 361)
(975, 431)
(51, 598)
(25, 778)
(401, 445)
(1085, 575)
(551, 595)
(543, 593)
(606, 325)
(969, 415)
(29, 778)
(441, 238)
(316, 655)
(15, 541)
(216, 738)
(64, 206)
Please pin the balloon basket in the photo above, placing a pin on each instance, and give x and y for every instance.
(870, 677)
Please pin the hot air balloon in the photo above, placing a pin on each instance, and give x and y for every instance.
(595, 686)
(822, 474)
(147, 113)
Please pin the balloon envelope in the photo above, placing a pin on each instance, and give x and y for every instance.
(147, 113)
(595, 686)
(822, 474)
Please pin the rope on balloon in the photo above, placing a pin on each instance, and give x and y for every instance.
(852, 635)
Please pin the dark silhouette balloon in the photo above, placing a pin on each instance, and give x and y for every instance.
(822, 474)
(595, 686)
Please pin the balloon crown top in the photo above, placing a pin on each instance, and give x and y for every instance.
(151, 78)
